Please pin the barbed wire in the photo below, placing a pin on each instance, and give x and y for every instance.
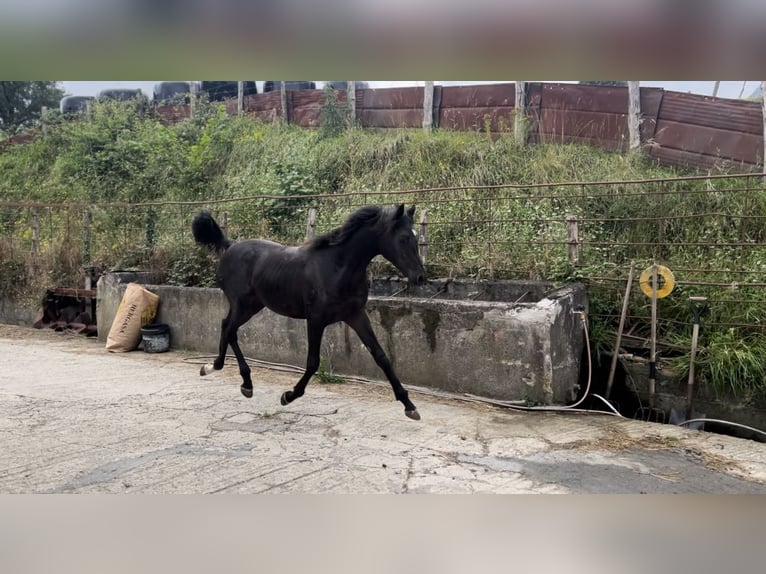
(367, 193)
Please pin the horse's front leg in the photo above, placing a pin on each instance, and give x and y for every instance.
(315, 332)
(361, 325)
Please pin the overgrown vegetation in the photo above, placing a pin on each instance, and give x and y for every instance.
(95, 172)
(22, 103)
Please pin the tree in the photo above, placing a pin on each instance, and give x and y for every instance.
(21, 103)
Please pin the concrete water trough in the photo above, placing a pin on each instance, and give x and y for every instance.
(506, 340)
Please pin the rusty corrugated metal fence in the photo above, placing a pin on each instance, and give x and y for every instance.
(683, 130)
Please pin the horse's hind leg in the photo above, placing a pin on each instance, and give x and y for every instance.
(361, 325)
(315, 331)
(238, 315)
(223, 344)
(244, 369)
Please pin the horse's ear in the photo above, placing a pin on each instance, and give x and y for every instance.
(399, 211)
(411, 212)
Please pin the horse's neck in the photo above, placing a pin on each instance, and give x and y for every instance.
(357, 253)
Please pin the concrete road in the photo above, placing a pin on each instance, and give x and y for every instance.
(76, 419)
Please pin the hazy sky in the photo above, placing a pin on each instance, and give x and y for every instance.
(728, 89)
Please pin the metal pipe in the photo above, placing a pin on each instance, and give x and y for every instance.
(697, 305)
(623, 314)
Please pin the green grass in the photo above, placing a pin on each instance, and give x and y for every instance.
(325, 375)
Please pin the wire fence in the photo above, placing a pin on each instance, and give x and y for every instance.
(708, 230)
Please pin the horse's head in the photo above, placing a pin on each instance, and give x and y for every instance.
(399, 245)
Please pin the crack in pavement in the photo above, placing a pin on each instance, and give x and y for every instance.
(267, 473)
(113, 470)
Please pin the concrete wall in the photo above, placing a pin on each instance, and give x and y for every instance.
(510, 351)
(14, 313)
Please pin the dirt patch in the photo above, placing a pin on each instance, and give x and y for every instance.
(616, 439)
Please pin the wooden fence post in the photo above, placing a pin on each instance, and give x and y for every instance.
(240, 97)
(35, 232)
(520, 115)
(428, 106)
(225, 222)
(573, 241)
(283, 102)
(763, 104)
(423, 236)
(86, 223)
(351, 103)
(311, 223)
(192, 98)
(634, 115)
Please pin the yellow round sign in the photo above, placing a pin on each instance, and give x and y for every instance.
(665, 281)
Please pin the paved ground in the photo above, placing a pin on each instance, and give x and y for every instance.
(74, 418)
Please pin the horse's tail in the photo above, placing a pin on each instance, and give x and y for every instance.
(207, 232)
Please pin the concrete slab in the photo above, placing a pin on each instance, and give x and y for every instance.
(508, 349)
(76, 419)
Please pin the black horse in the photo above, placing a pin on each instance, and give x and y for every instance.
(323, 281)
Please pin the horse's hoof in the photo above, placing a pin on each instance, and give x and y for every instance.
(206, 369)
(285, 399)
(413, 414)
(247, 391)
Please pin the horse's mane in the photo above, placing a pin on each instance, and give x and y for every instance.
(368, 216)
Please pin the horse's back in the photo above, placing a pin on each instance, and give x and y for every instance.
(267, 272)
(238, 262)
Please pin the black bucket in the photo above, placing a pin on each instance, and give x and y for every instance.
(156, 337)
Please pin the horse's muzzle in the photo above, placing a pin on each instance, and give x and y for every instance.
(419, 279)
